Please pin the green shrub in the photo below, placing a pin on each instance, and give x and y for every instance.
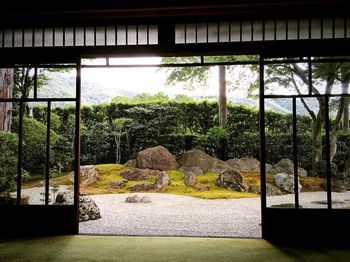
(8, 161)
(321, 169)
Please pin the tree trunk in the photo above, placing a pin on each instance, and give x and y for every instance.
(6, 89)
(222, 97)
(316, 142)
(346, 115)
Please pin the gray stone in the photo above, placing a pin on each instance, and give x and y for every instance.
(286, 182)
(194, 169)
(88, 210)
(190, 179)
(158, 158)
(88, 175)
(117, 184)
(286, 165)
(162, 181)
(142, 187)
(232, 179)
(135, 174)
(137, 199)
(245, 164)
(269, 169)
(131, 163)
(272, 190)
(198, 158)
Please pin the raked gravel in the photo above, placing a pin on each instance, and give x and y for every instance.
(175, 215)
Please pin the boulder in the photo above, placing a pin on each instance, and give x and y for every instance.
(88, 210)
(198, 158)
(138, 199)
(190, 179)
(232, 179)
(193, 169)
(272, 190)
(245, 164)
(158, 158)
(270, 169)
(131, 163)
(162, 181)
(88, 175)
(142, 187)
(117, 184)
(286, 182)
(135, 174)
(286, 165)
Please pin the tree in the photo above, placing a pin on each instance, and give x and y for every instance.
(294, 76)
(119, 130)
(195, 76)
(6, 89)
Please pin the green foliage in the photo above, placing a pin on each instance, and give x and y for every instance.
(321, 169)
(34, 144)
(8, 161)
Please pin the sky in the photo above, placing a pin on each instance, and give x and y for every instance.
(144, 79)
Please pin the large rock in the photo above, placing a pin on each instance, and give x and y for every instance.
(88, 210)
(286, 165)
(88, 175)
(190, 179)
(194, 169)
(162, 181)
(138, 199)
(158, 158)
(142, 187)
(286, 182)
(135, 174)
(245, 164)
(198, 158)
(117, 184)
(232, 179)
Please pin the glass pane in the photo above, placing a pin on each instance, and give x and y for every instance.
(270, 30)
(100, 35)
(325, 83)
(279, 155)
(121, 35)
(18, 38)
(57, 83)
(311, 153)
(327, 28)
(304, 29)
(153, 34)
(247, 31)
(62, 154)
(202, 33)
(258, 31)
(180, 34)
(235, 32)
(224, 32)
(339, 28)
(8, 149)
(48, 35)
(8, 38)
(110, 35)
(135, 61)
(38, 36)
(292, 29)
(190, 33)
(282, 79)
(316, 29)
(94, 61)
(34, 155)
(59, 36)
(90, 36)
(340, 151)
(132, 35)
(1, 38)
(142, 35)
(28, 37)
(79, 36)
(22, 89)
(69, 36)
(213, 33)
(281, 29)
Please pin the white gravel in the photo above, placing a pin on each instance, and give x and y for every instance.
(175, 215)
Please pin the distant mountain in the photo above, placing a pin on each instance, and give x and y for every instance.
(63, 86)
